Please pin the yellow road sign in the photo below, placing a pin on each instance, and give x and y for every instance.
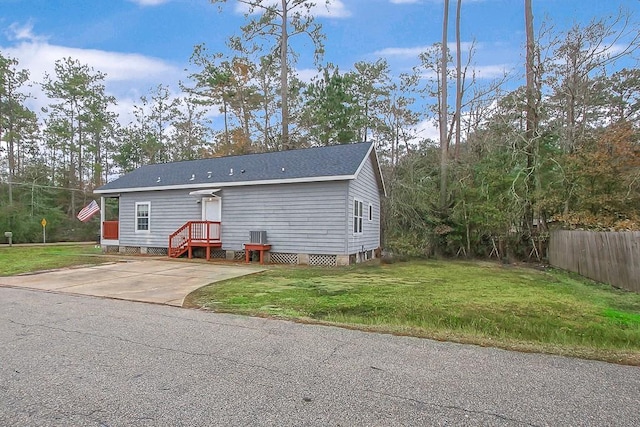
(43, 222)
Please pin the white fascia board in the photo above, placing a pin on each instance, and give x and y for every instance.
(384, 187)
(376, 167)
(229, 184)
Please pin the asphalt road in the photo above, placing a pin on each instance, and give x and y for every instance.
(68, 360)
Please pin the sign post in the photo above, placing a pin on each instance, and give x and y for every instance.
(44, 230)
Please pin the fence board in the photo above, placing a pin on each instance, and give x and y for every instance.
(609, 257)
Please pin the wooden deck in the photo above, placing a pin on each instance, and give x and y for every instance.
(195, 234)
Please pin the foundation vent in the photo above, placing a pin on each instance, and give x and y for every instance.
(281, 258)
(323, 260)
(157, 251)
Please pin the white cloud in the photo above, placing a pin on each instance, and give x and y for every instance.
(19, 32)
(306, 74)
(481, 72)
(408, 57)
(124, 110)
(335, 8)
(490, 71)
(40, 58)
(409, 52)
(149, 2)
(404, 1)
(422, 1)
(426, 129)
(127, 75)
(611, 50)
(413, 52)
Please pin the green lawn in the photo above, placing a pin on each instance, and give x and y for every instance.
(23, 259)
(471, 302)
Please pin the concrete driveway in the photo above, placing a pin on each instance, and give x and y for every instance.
(156, 281)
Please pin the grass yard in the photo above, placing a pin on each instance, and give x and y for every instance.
(470, 302)
(24, 259)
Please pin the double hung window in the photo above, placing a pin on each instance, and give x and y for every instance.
(143, 210)
(357, 216)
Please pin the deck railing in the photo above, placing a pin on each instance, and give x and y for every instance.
(194, 234)
(110, 230)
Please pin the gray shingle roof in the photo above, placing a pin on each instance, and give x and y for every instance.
(310, 163)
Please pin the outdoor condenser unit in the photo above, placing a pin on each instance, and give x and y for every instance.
(258, 237)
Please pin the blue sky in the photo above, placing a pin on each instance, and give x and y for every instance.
(142, 43)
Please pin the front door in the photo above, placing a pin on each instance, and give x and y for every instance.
(211, 209)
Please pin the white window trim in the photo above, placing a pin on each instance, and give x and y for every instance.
(370, 212)
(357, 217)
(135, 215)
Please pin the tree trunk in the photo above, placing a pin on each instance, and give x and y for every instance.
(444, 146)
(226, 122)
(458, 81)
(80, 153)
(284, 84)
(531, 120)
(97, 162)
(12, 158)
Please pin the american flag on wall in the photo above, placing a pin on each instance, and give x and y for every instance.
(88, 211)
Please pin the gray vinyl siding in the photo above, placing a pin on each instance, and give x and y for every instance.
(299, 218)
(308, 218)
(169, 210)
(364, 188)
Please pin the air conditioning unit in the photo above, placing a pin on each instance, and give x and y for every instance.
(258, 237)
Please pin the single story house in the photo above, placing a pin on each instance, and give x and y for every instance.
(317, 206)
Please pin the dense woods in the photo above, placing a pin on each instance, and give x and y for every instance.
(560, 150)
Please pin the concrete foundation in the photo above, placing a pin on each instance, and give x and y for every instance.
(342, 260)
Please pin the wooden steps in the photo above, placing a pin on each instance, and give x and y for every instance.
(195, 234)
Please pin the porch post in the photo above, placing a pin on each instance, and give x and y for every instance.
(208, 225)
(102, 216)
(189, 241)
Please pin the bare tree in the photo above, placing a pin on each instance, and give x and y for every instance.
(580, 55)
(279, 21)
(531, 116)
(459, 78)
(444, 143)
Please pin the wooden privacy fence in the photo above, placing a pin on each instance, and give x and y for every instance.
(609, 257)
